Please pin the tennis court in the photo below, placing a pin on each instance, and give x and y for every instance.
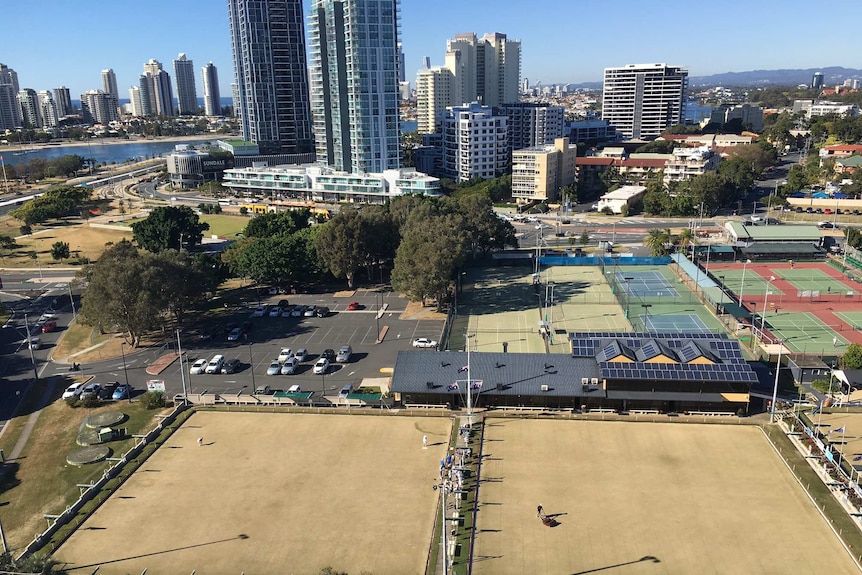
(802, 332)
(747, 282)
(646, 284)
(675, 322)
(807, 279)
(853, 318)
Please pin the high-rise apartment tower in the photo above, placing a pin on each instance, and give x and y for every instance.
(643, 100)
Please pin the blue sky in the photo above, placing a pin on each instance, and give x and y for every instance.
(68, 42)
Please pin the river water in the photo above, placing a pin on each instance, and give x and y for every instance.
(102, 153)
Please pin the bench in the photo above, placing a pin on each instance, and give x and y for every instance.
(644, 411)
(601, 410)
(713, 413)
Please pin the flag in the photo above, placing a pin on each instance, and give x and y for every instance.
(841, 429)
(463, 369)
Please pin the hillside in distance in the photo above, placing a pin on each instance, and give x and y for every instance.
(832, 75)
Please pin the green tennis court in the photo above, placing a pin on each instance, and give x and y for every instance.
(805, 333)
(808, 279)
(749, 283)
(853, 318)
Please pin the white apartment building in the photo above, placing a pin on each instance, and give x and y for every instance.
(212, 98)
(822, 107)
(540, 172)
(10, 111)
(433, 96)
(325, 184)
(135, 103)
(687, 163)
(31, 114)
(48, 109)
(643, 100)
(98, 107)
(475, 143)
(184, 76)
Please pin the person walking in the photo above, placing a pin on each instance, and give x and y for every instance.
(540, 512)
(424, 442)
(200, 440)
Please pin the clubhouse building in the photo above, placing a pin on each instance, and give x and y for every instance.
(624, 372)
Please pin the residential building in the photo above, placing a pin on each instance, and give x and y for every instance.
(533, 124)
(48, 109)
(840, 150)
(63, 101)
(433, 96)
(9, 76)
(31, 114)
(271, 89)
(212, 98)
(187, 94)
(109, 85)
(136, 107)
(157, 97)
(354, 83)
(486, 70)
(848, 165)
(823, 107)
(590, 132)
(402, 74)
(540, 172)
(475, 143)
(10, 111)
(428, 158)
(324, 184)
(748, 115)
(98, 107)
(643, 100)
(686, 163)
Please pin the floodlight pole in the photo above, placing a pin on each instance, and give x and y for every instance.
(742, 283)
(775, 386)
(182, 369)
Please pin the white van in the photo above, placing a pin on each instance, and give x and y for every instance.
(214, 366)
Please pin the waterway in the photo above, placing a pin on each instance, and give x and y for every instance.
(101, 153)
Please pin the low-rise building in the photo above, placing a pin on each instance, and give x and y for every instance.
(686, 163)
(540, 172)
(324, 184)
(621, 199)
(840, 150)
(191, 168)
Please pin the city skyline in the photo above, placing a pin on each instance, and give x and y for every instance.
(575, 52)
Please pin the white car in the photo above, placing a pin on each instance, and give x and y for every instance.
(73, 390)
(297, 311)
(321, 366)
(214, 366)
(286, 353)
(198, 367)
(275, 311)
(309, 311)
(301, 354)
(274, 368)
(289, 367)
(259, 312)
(424, 342)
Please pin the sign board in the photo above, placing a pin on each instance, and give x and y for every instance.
(156, 385)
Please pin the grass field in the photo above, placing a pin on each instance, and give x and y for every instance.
(273, 493)
(222, 225)
(644, 498)
(88, 242)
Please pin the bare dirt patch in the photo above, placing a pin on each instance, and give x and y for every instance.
(414, 310)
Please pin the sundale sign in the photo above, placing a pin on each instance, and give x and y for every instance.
(215, 164)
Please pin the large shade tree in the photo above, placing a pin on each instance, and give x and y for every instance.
(169, 227)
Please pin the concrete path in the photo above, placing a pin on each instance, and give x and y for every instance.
(31, 421)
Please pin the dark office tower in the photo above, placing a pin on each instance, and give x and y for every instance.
(268, 42)
(212, 98)
(354, 70)
(817, 81)
(63, 100)
(187, 94)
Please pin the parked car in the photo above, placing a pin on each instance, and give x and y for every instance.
(263, 390)
(123, 391)
(215, 364)
(73, 390)
(344, 353)
(827, 226)
(322, 311)
(90, 390)
(301, 354)
(289, 367)
(107, 391)
(198, 367)
(809, 210)
(274, 368)
(259, 312)
(288, 311)
(799, 209)
(235, 334)
(298, 311)
(285, 354)
(328, 353)
(354, 305)
(424, 342)
(321, 366)
(231, 366)
(345, 391)
(295, 388)
(49, 326)
(309, 311)
(35, 343)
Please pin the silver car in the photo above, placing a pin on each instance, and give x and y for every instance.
(274, 368)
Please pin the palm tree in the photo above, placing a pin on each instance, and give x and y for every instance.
(687, 238)
(656, 240)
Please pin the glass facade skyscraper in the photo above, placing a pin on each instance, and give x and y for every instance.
(271, 88)
(354, 83)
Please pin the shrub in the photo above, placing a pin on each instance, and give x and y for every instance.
(72, 401)
(154, 400)
(90, 401)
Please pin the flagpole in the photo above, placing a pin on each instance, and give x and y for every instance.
(469, 393)
(5, 181)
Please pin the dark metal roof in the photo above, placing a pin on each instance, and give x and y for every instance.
(665, 396)
(438, 372)
(781, 248)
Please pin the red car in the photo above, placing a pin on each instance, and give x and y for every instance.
(354, 305)
(49, 326)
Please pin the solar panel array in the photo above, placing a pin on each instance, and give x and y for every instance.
(730, 372)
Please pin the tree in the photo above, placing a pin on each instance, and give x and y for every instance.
(278, 259)
(686, 238)
(168, 227)
(585, 238)
(341, 244)
(123, 292)
(275, 223)
(852, 358)
(184, 279)
(656, 240)
(484, 230)
(25, 230)
(60, 250)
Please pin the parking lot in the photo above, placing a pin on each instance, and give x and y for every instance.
(267, 336)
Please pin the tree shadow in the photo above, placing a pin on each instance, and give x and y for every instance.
(644, 559)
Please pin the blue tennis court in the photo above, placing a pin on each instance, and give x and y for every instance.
(646, 284)
(675, 323)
